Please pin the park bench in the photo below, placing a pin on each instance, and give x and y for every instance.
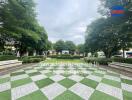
(122, 66)
(9, 63)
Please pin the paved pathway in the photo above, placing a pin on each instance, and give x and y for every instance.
(52, 81)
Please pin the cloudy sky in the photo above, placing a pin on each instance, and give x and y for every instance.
(66, 19)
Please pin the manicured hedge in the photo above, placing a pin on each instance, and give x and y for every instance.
(32, 59)
(66, 56)
(7, 57)
(106, 61)
(123, 60)
(101, 61)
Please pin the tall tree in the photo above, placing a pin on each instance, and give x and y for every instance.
(59, 46)
(70, 46)
(18, 23)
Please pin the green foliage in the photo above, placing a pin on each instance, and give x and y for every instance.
(70, 46)
(7, 57)
(101, 61)
(81, 48)
(66, 56)
(106, 61)
(123, 60)
(18, 23)
(110, 34)
(61, 45)
(32, 59)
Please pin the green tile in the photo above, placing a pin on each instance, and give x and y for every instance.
(38, 95)
(126, 81)
(5, 95)
(113, 74)
(98, 74)
(34, 73)
(66, 74)
(89, 82)
(68, 95)
(97, 95)
(111, 82)
(44, 82)
(20, 82)
(83, 74)
(127, 95)
(40, 69)
(67, 82)
(3, 80)
(90, 69)
(17, 73)
(49, 74)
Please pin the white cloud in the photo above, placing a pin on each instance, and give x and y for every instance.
(66, 19)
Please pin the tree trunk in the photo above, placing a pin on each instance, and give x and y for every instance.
(123, 53)
(107, 54)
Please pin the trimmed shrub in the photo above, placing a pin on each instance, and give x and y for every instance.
(123, 60)
(32, 59)
(101, 61)
(7, 57)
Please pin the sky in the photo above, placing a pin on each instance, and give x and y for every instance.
(66, 19)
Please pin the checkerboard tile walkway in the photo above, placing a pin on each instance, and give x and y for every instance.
(54, 81)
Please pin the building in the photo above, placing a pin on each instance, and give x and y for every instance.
(65, 51)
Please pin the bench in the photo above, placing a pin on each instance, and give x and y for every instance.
(9, 63)
(122, 66)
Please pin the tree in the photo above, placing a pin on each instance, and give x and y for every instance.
(102, 37)
(19, 23)
(81, 48)
(124, 23)
(49, 45)
(110, 34)
(70, 46)
(59, 46)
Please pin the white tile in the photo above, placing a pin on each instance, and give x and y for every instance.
(58, 71)
(38, 67)
(23, 90)
(126, 87)
(95, 78)
(110, 90)
(45, 71)
(5, 76)
(31, 71)
(89, 72)
(53, 90)
(100, 72)
(38, 77)
(5, 86)
(57, 78)
(76, 78)
(112, 78)
(21, 70)
(18, 77)
(82, 90)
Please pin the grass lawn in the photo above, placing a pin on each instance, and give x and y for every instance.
(64, 61)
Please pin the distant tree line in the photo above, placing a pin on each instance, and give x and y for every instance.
(68, 45)
(110, 34)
